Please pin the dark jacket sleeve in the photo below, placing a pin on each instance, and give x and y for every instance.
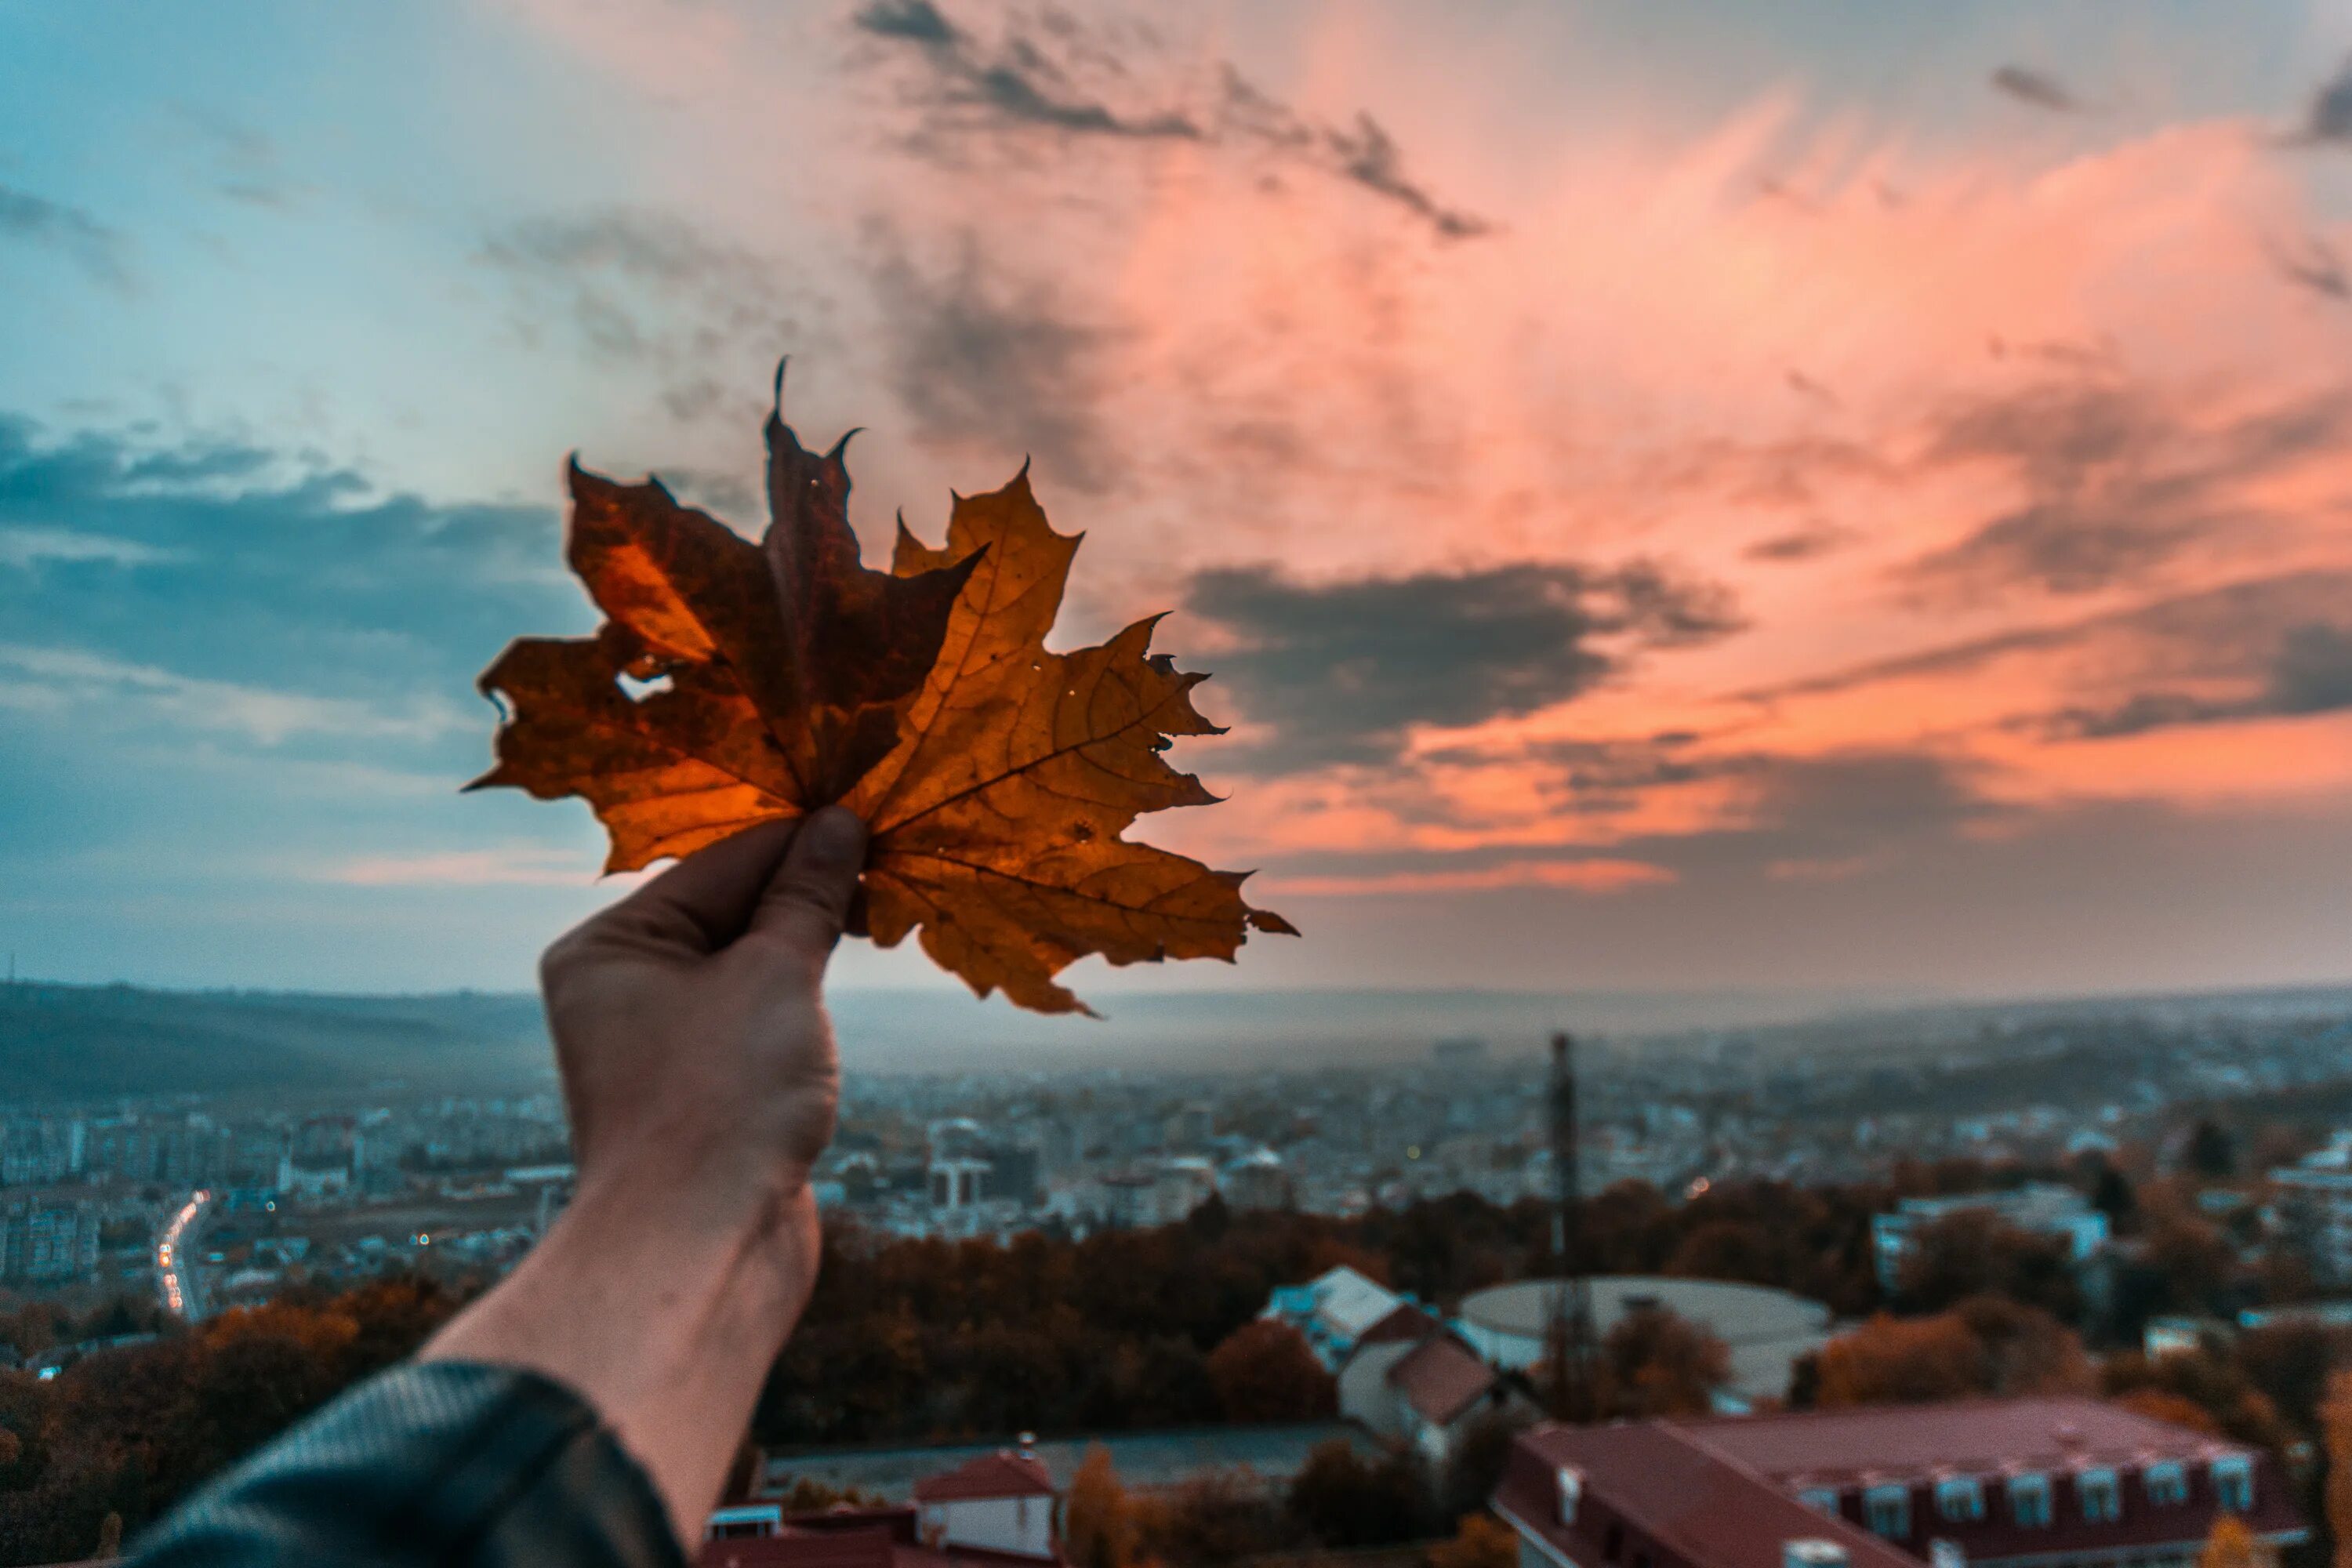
(442, 1462)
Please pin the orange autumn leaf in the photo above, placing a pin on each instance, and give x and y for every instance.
(732, 684)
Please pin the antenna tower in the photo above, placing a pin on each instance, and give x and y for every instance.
(1570, 1335)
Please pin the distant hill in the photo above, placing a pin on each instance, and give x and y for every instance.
(90, 1042)
(95, 1042)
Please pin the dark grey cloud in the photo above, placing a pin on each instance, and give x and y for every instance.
(2309, 671)
(2314, 264)
(2210, 634)
(1341, 672)
(102, 251)
(1052, 73)
(918, 20)
(2117, 482)
(1021, 82)
(214, 560)
(976, 358)
(2329, 116)
(1805, 543)
(1367, 155)
(2038, 89)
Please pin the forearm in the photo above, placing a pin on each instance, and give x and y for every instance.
(663, 1312)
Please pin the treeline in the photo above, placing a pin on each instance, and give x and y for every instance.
(920, 1340)
(120, 1434)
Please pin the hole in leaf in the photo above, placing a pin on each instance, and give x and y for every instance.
(638, 690)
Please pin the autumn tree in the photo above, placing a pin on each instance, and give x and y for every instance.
(1986, 1345)
(1482, 1541)
(1218, 1517)
(2233, 1545)
(1346, 1500)
(2336, 1427)
(1475, 1467)
(1264, 1371)
(2213, 1383)
(1099, 1523)
(1657, 1362)
(1974, 1252)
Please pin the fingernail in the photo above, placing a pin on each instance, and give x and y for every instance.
(836, 838)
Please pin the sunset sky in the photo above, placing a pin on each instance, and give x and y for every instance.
(1673, 495)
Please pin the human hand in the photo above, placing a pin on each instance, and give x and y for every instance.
(690, 1030)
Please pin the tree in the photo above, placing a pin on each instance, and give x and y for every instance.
(2212, 1382)
(1658, 1363)
(2292, 1364)
(1974, 1252)
(2336, 1425)
(2210, 1154)
(2233, 1545)
(1482, 1542)
(1100, 1521)
(1345, 1500)
(1218, 1517)
(1985, 1345)
(2111, 1194)
(1264, 1371)
(1475, 1469)
(1900, 1361)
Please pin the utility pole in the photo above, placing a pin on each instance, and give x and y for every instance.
(1570, 1334)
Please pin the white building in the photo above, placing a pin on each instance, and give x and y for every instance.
(999, 1503)
(2315, 1208)
(1333, 1311)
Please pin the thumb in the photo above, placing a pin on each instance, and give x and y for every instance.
(808, 899)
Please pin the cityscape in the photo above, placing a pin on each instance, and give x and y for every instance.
(210, 1201)
(2160, 1184)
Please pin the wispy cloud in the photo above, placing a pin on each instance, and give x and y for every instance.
(25, 548)
(99, 249)
(75, 680)
(1593, 876)
(515, 864)
(2039, 88)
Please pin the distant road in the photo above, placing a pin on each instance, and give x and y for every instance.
(173, 1274)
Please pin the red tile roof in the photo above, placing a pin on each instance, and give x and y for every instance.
(1001, 1474)
(1698, 1488)
(1407, 1321)
(1824, 1447)
(1439, 1379)
(1669, 1500)
(875, 1546)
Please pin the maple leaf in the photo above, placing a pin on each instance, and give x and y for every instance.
(997, 818)
(770, 676)
(733, 683)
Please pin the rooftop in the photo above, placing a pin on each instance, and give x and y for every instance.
(1671, 1492)
(1003, 1473)
(1978, 1437)
(1439, 1379)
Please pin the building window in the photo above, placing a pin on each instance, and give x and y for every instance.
(2167, 1484)
(1887, 1511)
(1825, 1498)
(2029, 1500)
(2234, 1483)
(1959, 1498)
(2102, 1502)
